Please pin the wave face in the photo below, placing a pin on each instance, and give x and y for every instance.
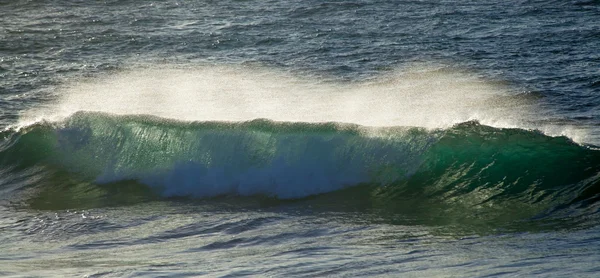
(470, 165)
(204, 159)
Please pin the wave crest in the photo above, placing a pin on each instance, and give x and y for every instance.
(465, 167)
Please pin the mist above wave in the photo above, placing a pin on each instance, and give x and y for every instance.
(424, 97)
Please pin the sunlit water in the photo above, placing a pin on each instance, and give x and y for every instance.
(299, 138)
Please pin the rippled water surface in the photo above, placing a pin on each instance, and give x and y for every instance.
(299, 138)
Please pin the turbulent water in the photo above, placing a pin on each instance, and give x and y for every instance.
(300, 138)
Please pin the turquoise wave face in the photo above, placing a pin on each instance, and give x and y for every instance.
(473, 170)
(283, 160)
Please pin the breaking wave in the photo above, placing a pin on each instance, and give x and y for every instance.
(469, 163)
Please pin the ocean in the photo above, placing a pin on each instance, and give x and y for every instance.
(300, 138)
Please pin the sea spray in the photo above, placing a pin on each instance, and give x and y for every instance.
(415, 96)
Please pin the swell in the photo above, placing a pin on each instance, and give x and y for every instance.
(466, 168)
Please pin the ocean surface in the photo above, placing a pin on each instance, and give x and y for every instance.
(300, 138)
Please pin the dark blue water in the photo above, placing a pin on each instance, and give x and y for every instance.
(394, 138)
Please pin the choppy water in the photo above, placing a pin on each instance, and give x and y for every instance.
(299, 138)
